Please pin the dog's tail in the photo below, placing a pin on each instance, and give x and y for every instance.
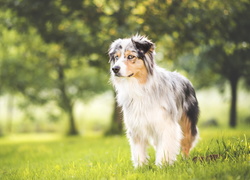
(191, 107)
(189, 119)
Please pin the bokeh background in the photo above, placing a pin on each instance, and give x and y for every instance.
(54, 71)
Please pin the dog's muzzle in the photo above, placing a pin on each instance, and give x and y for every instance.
(116, 70)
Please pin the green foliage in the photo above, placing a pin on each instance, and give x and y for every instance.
(56, 50)
(214, 32)
(109, 158)
(36, 63)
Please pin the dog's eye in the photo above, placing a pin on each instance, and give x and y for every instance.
(116, 58)
(130, 57)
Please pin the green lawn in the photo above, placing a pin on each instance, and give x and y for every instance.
(54, 157)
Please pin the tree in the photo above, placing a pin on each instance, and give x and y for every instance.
(232, 67)
(217, 31)
(45, 72)
(67, 30)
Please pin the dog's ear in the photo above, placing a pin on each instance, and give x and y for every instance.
(142, 44)
(145, 51)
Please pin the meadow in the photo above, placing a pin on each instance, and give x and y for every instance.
(48, 156)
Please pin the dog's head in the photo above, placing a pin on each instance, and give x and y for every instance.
(132, 58)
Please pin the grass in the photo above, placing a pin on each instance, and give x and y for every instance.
(55, 157)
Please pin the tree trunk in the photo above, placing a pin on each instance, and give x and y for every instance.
(10, 113)
(233, 108)
(66, 103)
(116, 124)
(72, 129)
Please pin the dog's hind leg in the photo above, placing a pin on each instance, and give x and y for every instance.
(189, 139)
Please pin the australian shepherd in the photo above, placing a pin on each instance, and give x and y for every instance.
(159, 107)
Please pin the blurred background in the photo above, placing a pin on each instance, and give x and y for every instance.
(54, 71)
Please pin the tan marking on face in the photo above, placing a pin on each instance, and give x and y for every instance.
(117, 53)
(136, 67)
(186, 142)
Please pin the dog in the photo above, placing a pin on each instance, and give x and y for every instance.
(159, 107)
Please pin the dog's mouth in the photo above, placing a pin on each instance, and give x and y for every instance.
(119, 75)
(131, 75)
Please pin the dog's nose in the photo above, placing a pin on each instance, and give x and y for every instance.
(116, 69)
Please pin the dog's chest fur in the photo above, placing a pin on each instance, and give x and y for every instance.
(144, 114)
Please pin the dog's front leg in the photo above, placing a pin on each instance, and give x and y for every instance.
(138, 150)
(168, 144)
